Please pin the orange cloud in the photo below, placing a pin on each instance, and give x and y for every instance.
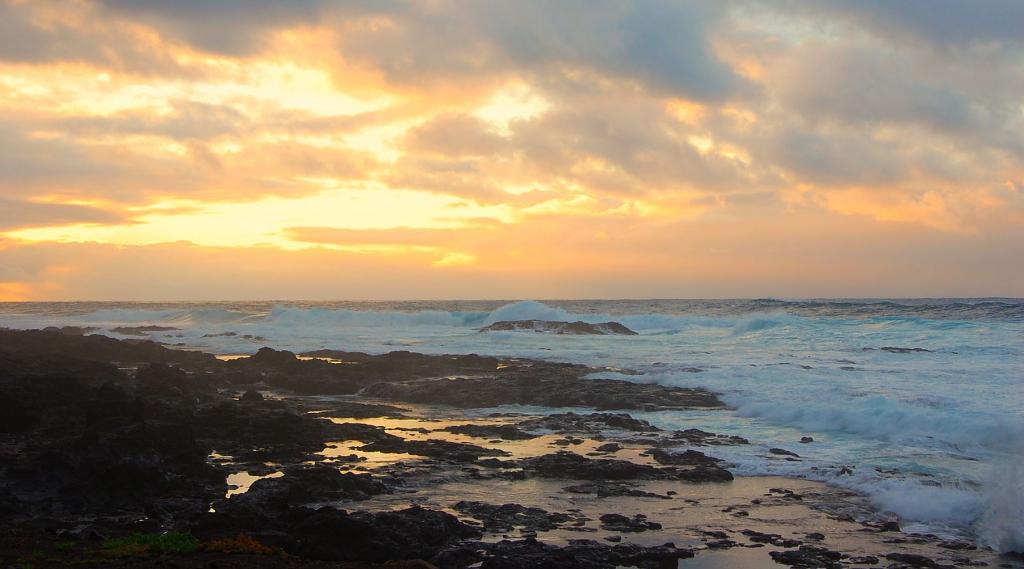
(664, 149)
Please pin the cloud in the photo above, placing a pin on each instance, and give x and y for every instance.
(941, 23)
(231, 27)
(661, 44)
(623, 144)
(409, 236)
(49, 31)
(20, 214)
(455, 135)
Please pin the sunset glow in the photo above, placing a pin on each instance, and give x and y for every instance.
(440, 149)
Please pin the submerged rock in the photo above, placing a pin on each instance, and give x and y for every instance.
(901, 350)
(556, 327)
(783, 452)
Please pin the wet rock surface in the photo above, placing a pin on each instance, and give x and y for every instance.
(626, 524)
(697, 437)
(506, 517)
(582, 554)
(439, 449)
(589, 423)
(564, 465)
(504, 432)
(543, 384)
(809, 557)
(608, 489)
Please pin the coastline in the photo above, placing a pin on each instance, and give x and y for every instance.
(397, 462)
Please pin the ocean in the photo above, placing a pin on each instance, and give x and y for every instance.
(932, 435)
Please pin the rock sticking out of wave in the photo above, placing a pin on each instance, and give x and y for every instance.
(556, 327)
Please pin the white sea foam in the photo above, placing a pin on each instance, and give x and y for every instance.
(1002, 522)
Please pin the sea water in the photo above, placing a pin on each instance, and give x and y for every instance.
(932, 438)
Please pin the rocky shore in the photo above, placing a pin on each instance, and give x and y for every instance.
(124, 453)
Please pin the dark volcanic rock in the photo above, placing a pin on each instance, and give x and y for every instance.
(705, 473)
(556, 327)
(320, 373)
(413, 533)
(504, 432)
(545, 384)
(304, 484)
(580, 554)
(589, 423)
(912, 560)
(772, 538)
(261, 431)
(251, 396)
(808, 557)
(436, 449)
(625, 524)
(607, 489)
(697, 437)
(98, 349)
(783, 452)
(568, 465)
(506, 517)
(889, 526)
(687, 458)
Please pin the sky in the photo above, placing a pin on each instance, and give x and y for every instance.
(346, 149)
